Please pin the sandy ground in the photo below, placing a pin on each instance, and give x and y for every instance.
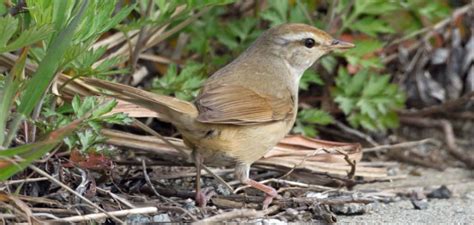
(457, 210)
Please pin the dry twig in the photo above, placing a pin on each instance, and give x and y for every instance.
(442, 108)
(97, 216)
(448, 134)
(408, 144)
(54, 180)
(239, 213)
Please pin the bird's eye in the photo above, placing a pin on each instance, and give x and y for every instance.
(309, 42)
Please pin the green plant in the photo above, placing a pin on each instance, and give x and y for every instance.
(64, 30)
(309, 118)
(184, 85)
(58, 36)
(368, 99)
(88, 135)
(78, 124)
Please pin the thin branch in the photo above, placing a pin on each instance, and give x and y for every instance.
(54, 180)
(355, 132)
(148, 181)
(466, 158)
(408, 144)
(98, 216)
(239, 213)
(442, 108)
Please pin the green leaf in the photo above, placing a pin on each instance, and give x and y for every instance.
(357, 83)
(365, 47)
(307, 130)
(346, 104)
(7, 94)
(3, 9)
(117, 118)
(381, 7)
(372, 26)
(8, 26)
(48, 67)
(276, 13)
(310, 77)
(76, 103)
(376, 85)
(87, 105)
(367, 108)
(315, 116)
(30, 152)
(104, 108)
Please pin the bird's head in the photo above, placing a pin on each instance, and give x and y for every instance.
(300, 45)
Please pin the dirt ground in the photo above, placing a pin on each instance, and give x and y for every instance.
(456, 210)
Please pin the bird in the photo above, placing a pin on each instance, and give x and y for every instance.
(245, 108)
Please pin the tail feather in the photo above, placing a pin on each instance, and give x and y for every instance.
(171, 109)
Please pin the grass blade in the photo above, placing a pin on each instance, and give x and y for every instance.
(7, 96)
(16, 159)
(36, 87)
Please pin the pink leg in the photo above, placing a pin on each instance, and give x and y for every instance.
(242, 173)
(202, 195)
(270, 192)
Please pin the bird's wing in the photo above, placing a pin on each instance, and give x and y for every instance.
(234, 104)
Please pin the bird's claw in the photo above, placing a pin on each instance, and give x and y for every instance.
(204, 195)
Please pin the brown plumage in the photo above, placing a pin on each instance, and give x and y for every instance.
(246, 107)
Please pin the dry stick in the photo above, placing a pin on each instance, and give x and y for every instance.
(448, 134)
(116, 197)
(355, 132)
(155, 40)
(239, 213)
(54, 180)
(182, 151)
(287, 182)
(97, 216)
(54, 210)
(440, 108)
(139, 44)
(148, 181)
(408, 144)
(27, 180)
(11, 208)
(401, 156)
(332, 13)
(301, 163)
(352, 163)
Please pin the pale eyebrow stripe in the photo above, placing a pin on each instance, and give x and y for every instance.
(298, 36)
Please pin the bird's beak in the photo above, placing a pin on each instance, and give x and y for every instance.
(338, 44)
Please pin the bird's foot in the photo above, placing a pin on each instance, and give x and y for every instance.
(270, 193)
(269, 196)
(203, 196)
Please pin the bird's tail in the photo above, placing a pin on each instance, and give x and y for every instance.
(170, 109)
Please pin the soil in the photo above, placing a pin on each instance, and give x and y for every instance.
(457, 209)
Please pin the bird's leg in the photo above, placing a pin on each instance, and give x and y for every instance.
(242, 173)
(202, 195)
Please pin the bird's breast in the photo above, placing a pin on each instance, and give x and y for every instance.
(222, 145)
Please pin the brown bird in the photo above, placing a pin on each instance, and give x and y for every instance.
(245, 108)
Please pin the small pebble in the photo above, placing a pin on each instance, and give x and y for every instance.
(292, 213)
(442, 193)
(162, 218)
(137, 219)
(189, 204)
(351, 209)
(316, 195)
(420, 204)
(470, 195)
